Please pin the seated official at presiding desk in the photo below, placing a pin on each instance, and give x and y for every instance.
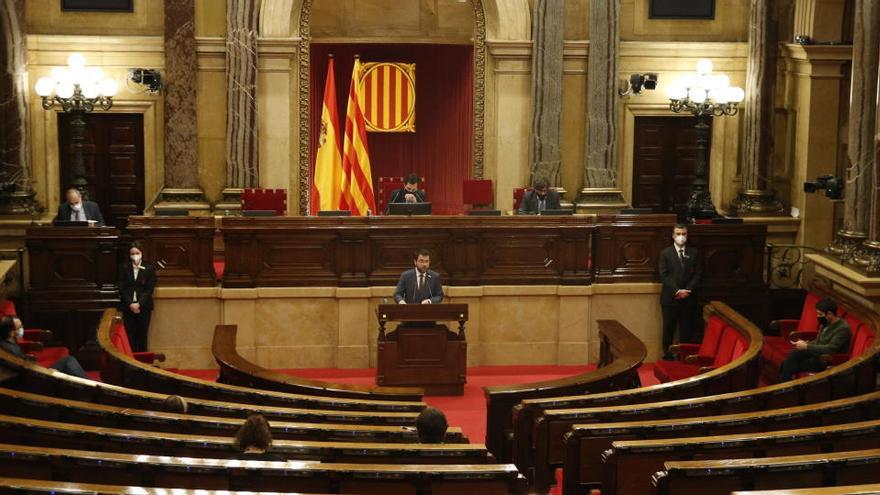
(539, 199)
(76, 209)
(409, 193)
(419, 285)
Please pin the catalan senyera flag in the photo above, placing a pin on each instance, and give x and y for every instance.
(388, 96)
(357, 179)
(328, 160)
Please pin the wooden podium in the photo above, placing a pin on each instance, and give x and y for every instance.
(72, 279)
(421, 352)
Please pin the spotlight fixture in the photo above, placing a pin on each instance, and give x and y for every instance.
(636, 82)
(151, 79)
(833, 186)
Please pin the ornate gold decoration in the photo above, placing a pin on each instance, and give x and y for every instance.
(479, 96)
(304, 95)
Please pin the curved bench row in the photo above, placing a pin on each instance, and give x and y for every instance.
(119, 369)
(28, 405)
(236, 370)
(620, 355)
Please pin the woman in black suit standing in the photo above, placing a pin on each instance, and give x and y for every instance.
(136, 283)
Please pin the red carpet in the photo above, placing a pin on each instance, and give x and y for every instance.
(468, 410)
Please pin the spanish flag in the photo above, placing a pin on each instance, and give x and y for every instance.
(328, 161)
(357, 180)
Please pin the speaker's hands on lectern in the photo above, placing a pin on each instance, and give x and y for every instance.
(427, 301)
(401, 302)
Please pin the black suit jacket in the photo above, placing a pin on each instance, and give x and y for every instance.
(398, 195)
(407, 288)
(143, 285)
(529, 203)
(676, 276)
(93, 212)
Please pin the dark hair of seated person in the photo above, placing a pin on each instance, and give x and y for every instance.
(175, 404)
(254, 436)
(431, 425)
(7, 326)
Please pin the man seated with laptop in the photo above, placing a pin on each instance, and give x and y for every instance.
(540, 199)
(76, 209)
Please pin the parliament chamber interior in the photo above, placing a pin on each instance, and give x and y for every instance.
(430, 247)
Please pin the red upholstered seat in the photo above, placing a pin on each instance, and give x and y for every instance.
(264, 199)
(477, 192)
(119, 338)
(703, 353)
(731, 346)
(807, 321)
(518, 193)
(388, 185)
(32, 342)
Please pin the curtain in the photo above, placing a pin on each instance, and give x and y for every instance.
(440, 149)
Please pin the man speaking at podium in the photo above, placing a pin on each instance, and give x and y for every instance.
(77, 209)
(419, 285)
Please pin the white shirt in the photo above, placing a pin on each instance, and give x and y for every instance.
(77, 215)
(135, 270)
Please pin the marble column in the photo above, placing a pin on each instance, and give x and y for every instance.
(242, 144)
(869, 256)
(862, 116)
(182, 189)
(16, 191)
(547, 35)
(756, 197)
(600, 191)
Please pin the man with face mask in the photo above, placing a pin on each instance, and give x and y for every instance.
(76, 209)
(833, 338)
(540, 198)
(12, 330)
(680, 270)
(410, 192)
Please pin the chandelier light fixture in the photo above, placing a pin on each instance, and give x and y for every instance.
(703, 94)
(77, 90)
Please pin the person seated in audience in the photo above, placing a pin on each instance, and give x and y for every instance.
(77, 209)
(175, 404)
(833, 338)
(419, 285)
(254, 439)
(410, 192)
(11, 329)
(540, 198)
(431, 425)
(136, 283)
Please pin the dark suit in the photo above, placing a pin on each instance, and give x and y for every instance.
(137, 324)
(675, 275)
(530, 205)
(407, 288)
(399, 196)
(90, 208)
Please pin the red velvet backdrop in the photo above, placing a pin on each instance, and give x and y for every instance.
(440, 149)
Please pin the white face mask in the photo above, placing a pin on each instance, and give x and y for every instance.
(77, 206)
(19, 333)
(136, 259)
(680, 239)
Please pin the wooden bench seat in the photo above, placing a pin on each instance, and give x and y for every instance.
(620, 355)
(236, 370)
(35, 432)
(119, 369)
(584, 444)
(628, 465)
(19, 485)
(36, 379)
(869, 489)
(234, 474)
(531, 435)
(540, 423)
(24, 404)
(713, 477)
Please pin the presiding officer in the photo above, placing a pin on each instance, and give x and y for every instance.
(419, 285)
